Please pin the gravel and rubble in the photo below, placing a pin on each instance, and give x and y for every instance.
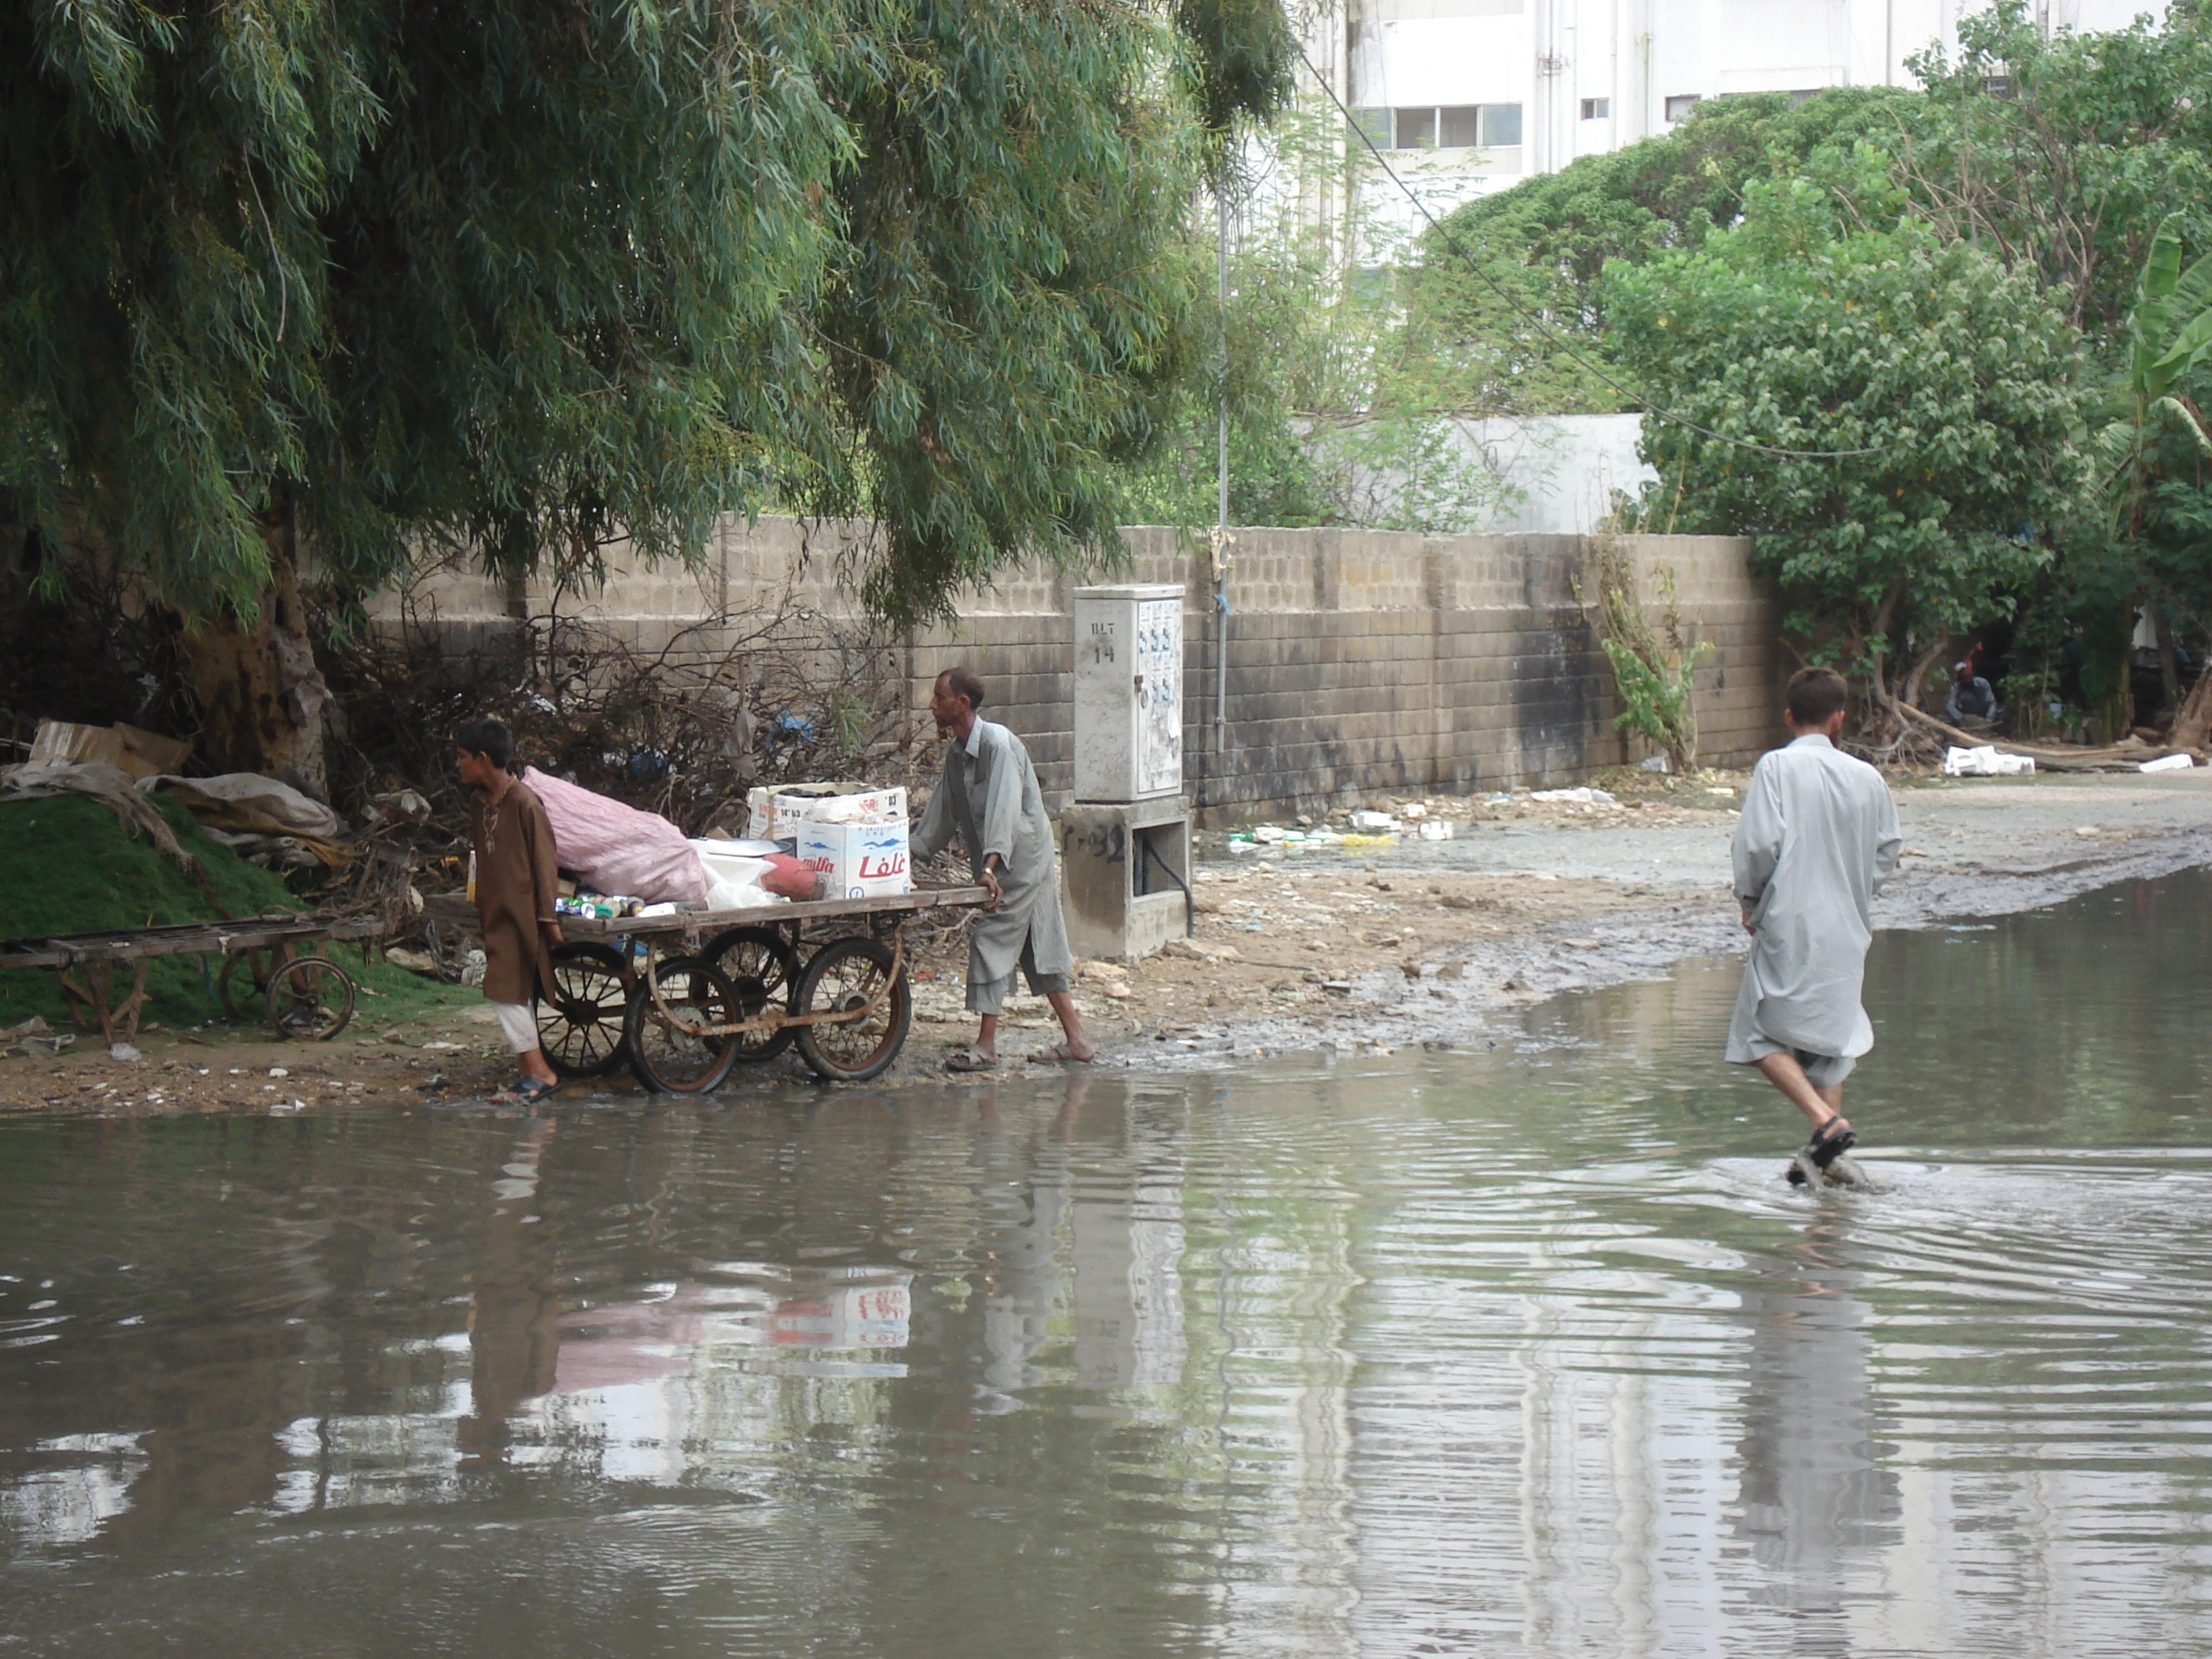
(1439, 942)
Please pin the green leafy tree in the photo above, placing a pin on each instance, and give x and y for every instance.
(1959, 377)
(1491, 335)
(2064, 154)
(1334, 414)
(521, 280)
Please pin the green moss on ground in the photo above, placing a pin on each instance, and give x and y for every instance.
(67, 866)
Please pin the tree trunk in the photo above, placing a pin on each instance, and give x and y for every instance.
(2193, 725)
(2169, 672)
(261, 696)
(1916, 677)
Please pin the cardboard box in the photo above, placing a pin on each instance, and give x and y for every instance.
(856, 860)
(141, 754)
(775, 809)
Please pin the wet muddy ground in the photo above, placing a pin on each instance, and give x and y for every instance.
(1428, 942)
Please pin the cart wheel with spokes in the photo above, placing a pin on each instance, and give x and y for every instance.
(851, 978)
(763, 969)
(580, 1026)
(310, 997)
(665, 1053)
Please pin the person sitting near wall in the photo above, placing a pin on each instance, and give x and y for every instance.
(989, 796)
(1973, 701)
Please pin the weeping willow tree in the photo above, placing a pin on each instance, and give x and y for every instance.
(520, 277)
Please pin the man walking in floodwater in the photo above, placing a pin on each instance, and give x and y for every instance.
(989, 795)
(1818, 835)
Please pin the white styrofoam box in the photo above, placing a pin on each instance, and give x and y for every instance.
(2167, 763)
(1985, 762)
(856, 860)
(773, 809)
(1128, 691)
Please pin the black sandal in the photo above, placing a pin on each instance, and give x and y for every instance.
(1831, 1142)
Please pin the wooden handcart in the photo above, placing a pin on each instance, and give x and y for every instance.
(685, 998)
(271, 970)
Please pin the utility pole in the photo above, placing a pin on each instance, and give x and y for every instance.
(1220, 538)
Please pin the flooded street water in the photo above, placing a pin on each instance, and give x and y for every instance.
(1527, 1351)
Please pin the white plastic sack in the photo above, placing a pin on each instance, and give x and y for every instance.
(616, 848)
(1582, 796)
(732, 879)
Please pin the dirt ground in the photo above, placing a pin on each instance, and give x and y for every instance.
(1422, 942)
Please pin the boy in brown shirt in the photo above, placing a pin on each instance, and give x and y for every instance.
(515, 871)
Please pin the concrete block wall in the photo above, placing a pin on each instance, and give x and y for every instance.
(1358, 662)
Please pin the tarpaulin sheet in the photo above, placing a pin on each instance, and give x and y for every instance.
(615, 848)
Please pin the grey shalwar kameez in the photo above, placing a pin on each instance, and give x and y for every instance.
(1818, 835)
(992, 772)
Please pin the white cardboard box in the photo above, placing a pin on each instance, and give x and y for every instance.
(774, 810)
(856, 860)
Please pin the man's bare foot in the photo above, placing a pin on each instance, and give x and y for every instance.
(1061, 1053)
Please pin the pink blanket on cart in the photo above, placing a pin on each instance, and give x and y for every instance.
(615, 848)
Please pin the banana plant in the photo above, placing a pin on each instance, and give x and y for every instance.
(2170, 338)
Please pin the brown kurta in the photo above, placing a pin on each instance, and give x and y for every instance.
(516, 877)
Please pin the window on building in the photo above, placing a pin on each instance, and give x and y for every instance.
(1805, 95)
(1680, 105)
(1597, 109)
(1376, 123)
(1417, 128)
(1997, 86)
(1448, 126)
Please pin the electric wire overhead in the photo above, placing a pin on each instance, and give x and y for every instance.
(1653, 410)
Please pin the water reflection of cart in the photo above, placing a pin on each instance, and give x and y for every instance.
(685, 998)
(270, 970)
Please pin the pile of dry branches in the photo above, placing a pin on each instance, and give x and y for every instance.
(684, 731)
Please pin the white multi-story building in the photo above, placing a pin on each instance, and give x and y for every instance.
(1469, 96)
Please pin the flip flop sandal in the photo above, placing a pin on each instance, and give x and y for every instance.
(968, 1059)
(526, 1093)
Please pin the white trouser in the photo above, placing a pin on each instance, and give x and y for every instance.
(517, 1024)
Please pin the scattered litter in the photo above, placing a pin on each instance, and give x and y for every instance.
(1653, 763)
(33, 1037)
(1437, 830)
(1367, 820)
(1985, 762)
(2167, 763)
(122, 1051)
(1415, 810)
(1370, 841)
(1267, 834)
(2088, 829)
(472, 970)
(1584, 796)
(1340, 987)
(416, 962)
